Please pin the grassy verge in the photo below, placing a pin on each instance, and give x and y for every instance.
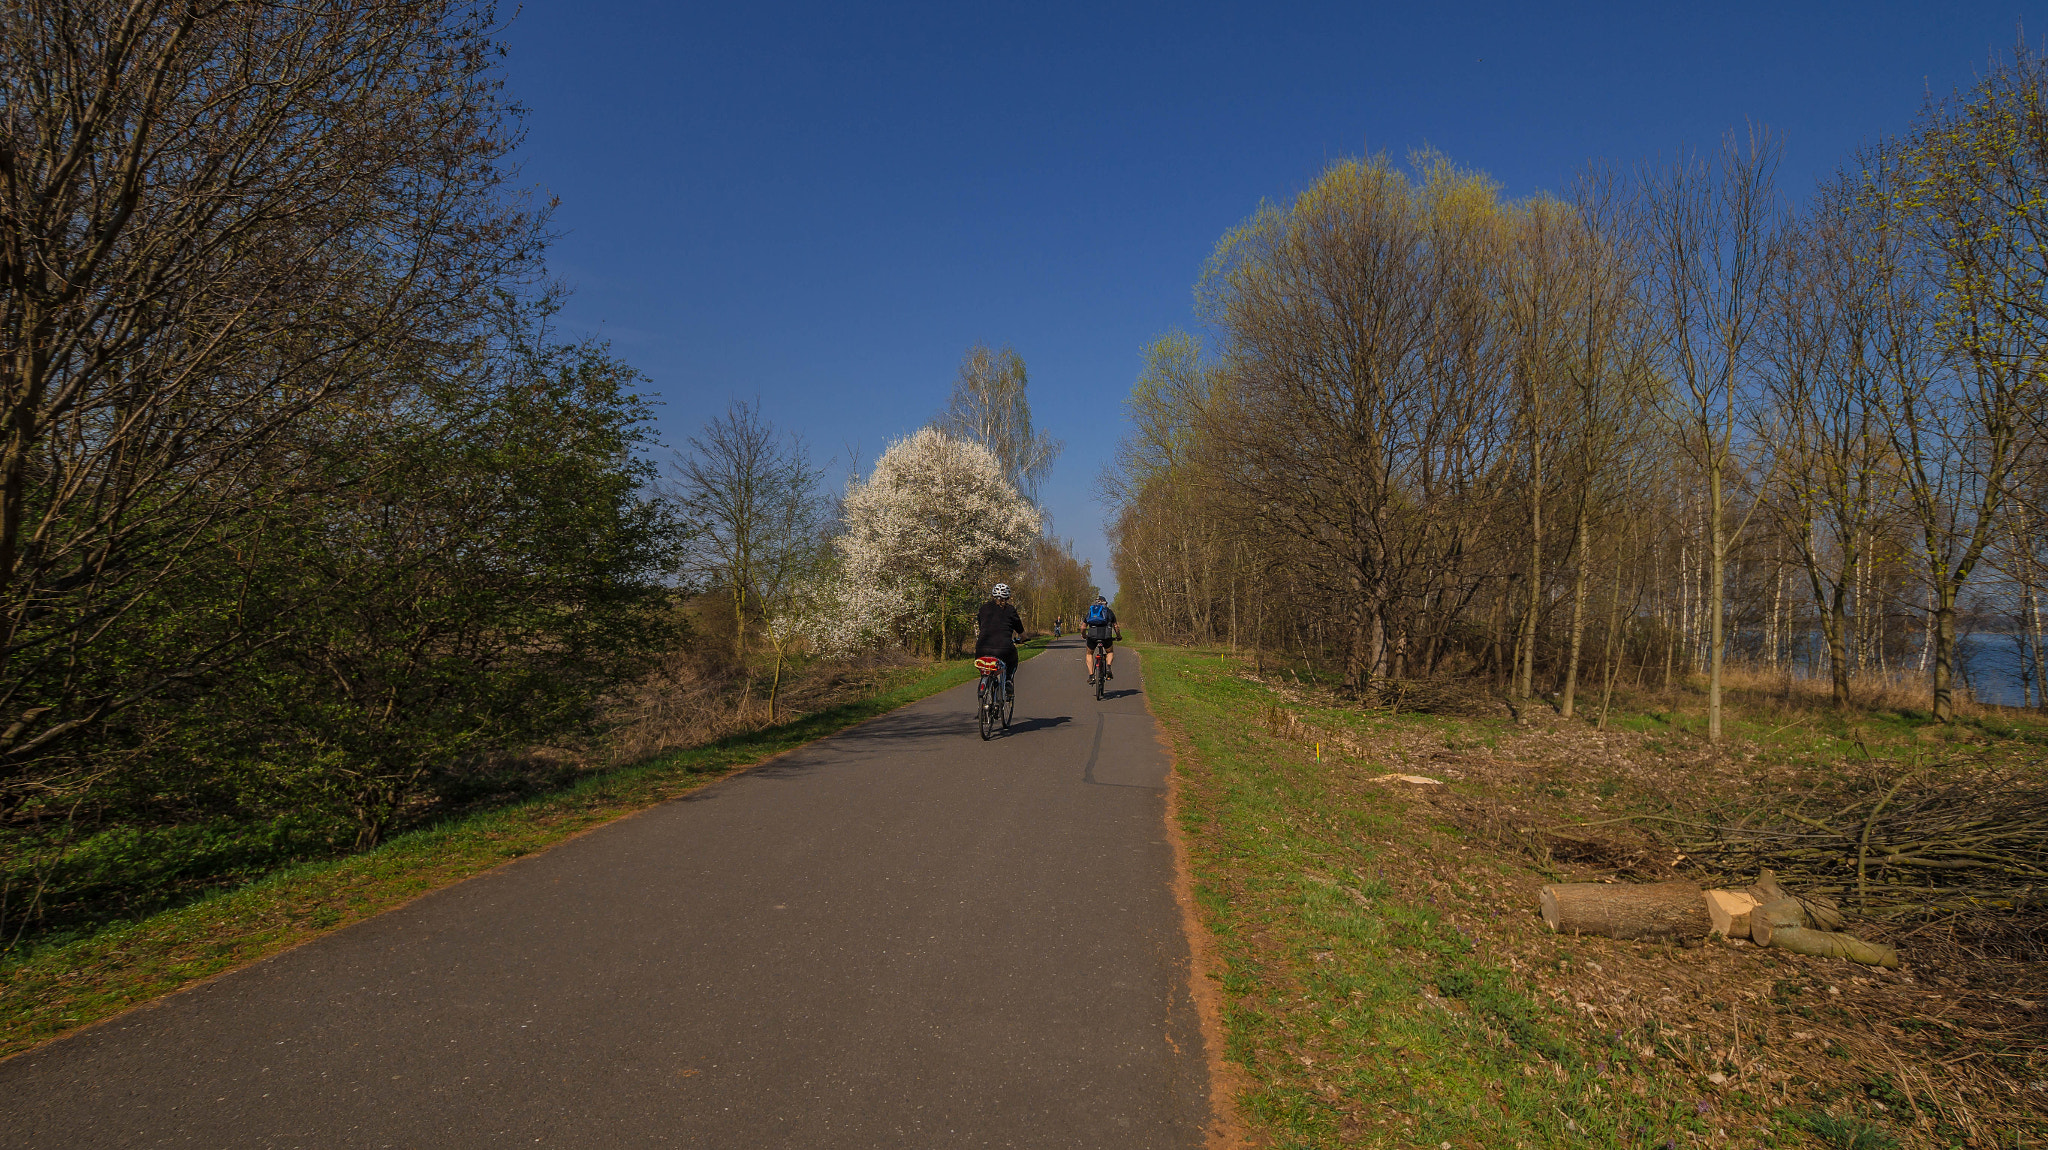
(1387, 983)
(49, 991)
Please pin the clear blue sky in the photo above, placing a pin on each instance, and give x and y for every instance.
(822, 206)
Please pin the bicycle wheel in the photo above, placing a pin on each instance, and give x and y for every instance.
(1099, 677)
(1009, 711)
(988, 710)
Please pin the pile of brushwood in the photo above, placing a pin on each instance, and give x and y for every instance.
(1460, 695)
(1952, 843)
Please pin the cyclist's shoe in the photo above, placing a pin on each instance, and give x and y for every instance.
(1013, 691)
(1091, 680)
(1108, 674)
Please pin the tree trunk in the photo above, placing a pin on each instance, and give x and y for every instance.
(1627, 910)
(1685, 613)
(1927, 633)
(1525, 685)
(1235, 560)
(1717, 610)
(1774, 639)
(1571, 669)
(1835, 623)
(739, 624)
(2040, 659)
(1670, 650)
(1355, 644)
(1945, 654)
(1494, 666)
(1610, 657)
(1259, 638)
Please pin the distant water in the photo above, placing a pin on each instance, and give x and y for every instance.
(1991, 667)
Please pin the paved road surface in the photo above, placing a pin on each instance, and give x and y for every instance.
(900, 936)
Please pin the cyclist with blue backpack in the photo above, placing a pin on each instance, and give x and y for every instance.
(1100, 629)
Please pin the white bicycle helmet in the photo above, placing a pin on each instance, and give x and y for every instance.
(1001, 591)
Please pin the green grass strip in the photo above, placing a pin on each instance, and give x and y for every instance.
(1360, 1014)
(57, 989)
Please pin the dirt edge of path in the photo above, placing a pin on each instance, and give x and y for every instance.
(1226, 1129)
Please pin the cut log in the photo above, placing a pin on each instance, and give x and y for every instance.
(1766, 888)
(1729, 912)
(1833, 944)
(1787, 924)
(1778, 914)
(1624, 910)
(1819, 911)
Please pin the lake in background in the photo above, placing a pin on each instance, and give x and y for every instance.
(1992, 668)
(1988, 664)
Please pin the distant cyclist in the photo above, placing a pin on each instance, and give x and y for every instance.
(997, 628)
(1100, 629)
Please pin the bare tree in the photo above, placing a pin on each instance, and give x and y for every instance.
(751, 498)
(1825, 344)
(1606, 364)
(1710, 232)
(989, 406)
(1534, 289)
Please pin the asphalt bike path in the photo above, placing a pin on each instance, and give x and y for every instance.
(899, 936)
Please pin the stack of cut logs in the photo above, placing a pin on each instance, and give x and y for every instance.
(1762, 913)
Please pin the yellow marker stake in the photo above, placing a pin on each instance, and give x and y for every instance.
(1319, 752)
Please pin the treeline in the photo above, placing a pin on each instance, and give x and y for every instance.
(1630, 432)
(307, 521)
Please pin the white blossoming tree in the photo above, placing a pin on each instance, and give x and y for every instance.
(935, 519)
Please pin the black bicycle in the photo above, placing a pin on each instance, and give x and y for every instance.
(1101, 676)
(992, 696)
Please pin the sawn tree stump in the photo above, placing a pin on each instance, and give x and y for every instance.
(1623, 910)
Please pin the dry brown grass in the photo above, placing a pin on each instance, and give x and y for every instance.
(1952, 1048)
(1902, 691)
(690, 700)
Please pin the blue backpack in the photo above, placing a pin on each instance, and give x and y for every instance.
(1098, 615)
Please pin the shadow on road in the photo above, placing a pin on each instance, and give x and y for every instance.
(1022, 725)
(876, 737)
(1126, 692)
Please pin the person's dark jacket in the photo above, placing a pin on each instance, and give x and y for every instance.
(996, 628)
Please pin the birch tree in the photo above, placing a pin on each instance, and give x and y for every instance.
(989, 406)
(1710, 233)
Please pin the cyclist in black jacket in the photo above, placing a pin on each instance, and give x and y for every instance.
(996, 629)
